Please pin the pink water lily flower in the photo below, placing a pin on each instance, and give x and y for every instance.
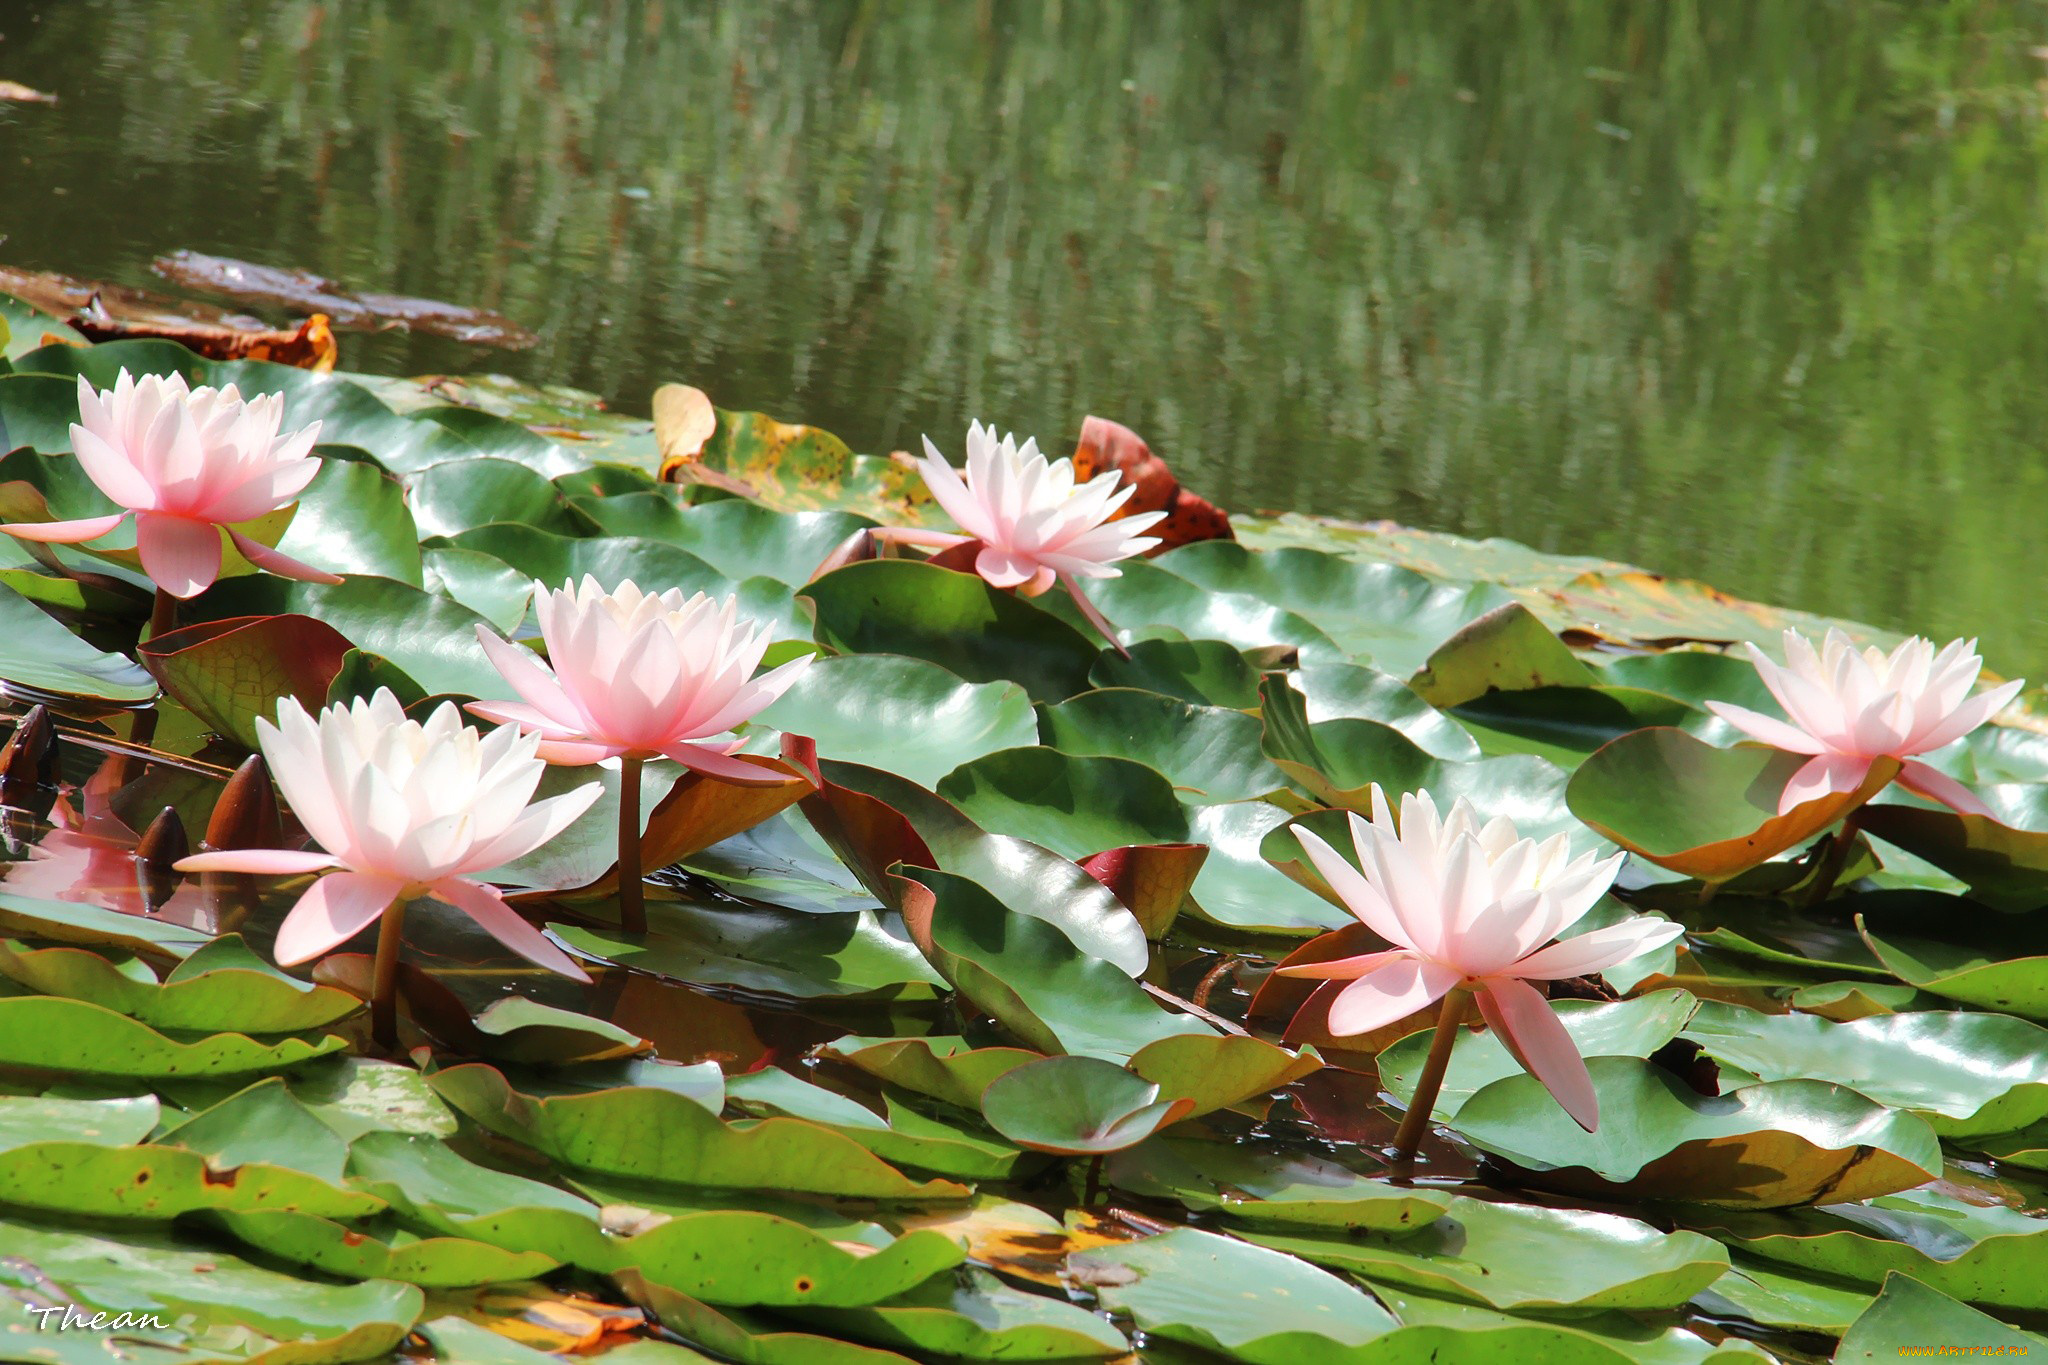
(1027, 523)
(1472, 908)
(1850, 707)
(189, 465)
(403, 809)
(638, 674)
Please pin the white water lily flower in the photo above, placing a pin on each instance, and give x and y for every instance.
(1034, 524)
(1850, 707)
(639, 674)
(1471, 907)
(403, 809)
(189, 465)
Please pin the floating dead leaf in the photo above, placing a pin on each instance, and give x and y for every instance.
(304, 292)
(1111, 445)
(14, 92)
(309, 346)
(1022, 1241)
(534, 1315)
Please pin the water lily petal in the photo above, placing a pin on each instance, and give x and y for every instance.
(1935, 785)
(484, 905)
(331, 912)
(1390, 993)
(1824, 775)
(1597, 949)
(180, 556)
(1768, 729)
(64, 532)
(1518, 1012)
(274, 862)
(271, 560)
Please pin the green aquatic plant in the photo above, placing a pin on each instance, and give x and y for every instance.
(938, 1028)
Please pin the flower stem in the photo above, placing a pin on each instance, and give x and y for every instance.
(1832, 861)
(163, 614)
(384, 981)
(1449, 1023)
(632, 888)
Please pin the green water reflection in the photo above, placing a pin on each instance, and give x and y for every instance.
(1748, 291)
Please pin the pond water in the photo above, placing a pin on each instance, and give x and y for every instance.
(1749, 292)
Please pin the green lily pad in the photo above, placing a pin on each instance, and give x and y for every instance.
(460, 495)
(1970, 970)
(354, 1253)
(1239, 887)
(1147, 600)
(353, 519)
(435, 1190)
(429, 636)
(874, 819)
(1909, 1313)
(1355, 692)
(1520, 1258)
(1213, 1071)
(1714, 812)
(1627, 1028)
(1203, 672)
(902, 715)
(739, 539)
(1077, 1106)
(945, 1068)
(900, 606)
(903, 1135)
(119, 1122)
(204, 1297)
(979, 1319)
(1980, 1253)
(1505, 650)
(1338, 761)
(77, 1037)
(1440, 1330)
(2003, 856)
(746, 1259)
(1771, 1295)
(1260, 1187)
(1568, 724)
(1908, 1061)
(43, 655)
(643, 1133)
(744, 1337)
(484, 583)
(519, 1029)
(1031, 977)
(1393, 616)
(762, 947)
(223, 985)
(1209, 753)
(1762, 1146)
(1246, 1302)
(1076, 805)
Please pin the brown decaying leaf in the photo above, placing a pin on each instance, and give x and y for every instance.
(1021, 1241)
(108, 312)
(534, 1315)
(683, 421)
(309, 346)
(1189, 517)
